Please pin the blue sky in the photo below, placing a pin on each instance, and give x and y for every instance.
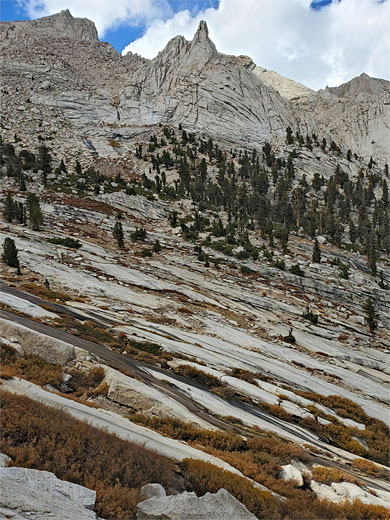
(315, 42)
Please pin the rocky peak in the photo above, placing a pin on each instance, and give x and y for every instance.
(61, 24)
(201, 43)
(361, 85)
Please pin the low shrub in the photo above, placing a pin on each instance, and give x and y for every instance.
(145, 346)
(369, 468)
(66, 242)
(295, 269)
(328, 475)
(146, 253)
(49, 294)
(41, 437)
(36, 370)
(198, 375)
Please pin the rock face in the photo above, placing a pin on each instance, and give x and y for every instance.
(191, 83)
(40, 495)
(80, 93)
(286, 87)
(356, 114)
(218, 506)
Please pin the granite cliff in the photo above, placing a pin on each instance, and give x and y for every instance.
(78, 92)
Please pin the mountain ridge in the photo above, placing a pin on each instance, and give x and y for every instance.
(187, 83)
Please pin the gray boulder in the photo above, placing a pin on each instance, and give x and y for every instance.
(39, 495)
(187, 506)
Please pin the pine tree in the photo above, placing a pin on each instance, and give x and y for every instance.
(10, 253)
(44, 161)
(156, 246)
(371, 252)
(77, 168)
(316, 257)
(289, 135)
(9, 207)
(117, 233)
(35, 215)
(371, 315)
(22, 182)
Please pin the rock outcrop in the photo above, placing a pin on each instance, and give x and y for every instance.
(69, 81)
(34, 343)
(62, 24)
(40, 495)
(341, 491)
(218, 506)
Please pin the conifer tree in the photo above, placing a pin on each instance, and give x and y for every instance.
(22, 182)
(371, 315)
(9, 207)
(316, 256)
(35, 215)
(10, 253)
(117, 233)
(44, 161)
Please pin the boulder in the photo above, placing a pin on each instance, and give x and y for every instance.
(45, 481)
(290, 472)
(4, 460)
(38, 495)
(218, 506)
(153, 490)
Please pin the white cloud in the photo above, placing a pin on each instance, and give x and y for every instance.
(317, 48)
(105, 13)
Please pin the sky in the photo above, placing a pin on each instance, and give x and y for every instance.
(315, 42)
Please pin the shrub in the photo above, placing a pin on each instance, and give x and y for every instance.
(295, 269)
(328, 475)
(310, 316)
(177, 429)
(368, 467)
(198, 375)
(37, 370)
(38, 436)
(145, 346)
(146, 252)
(7, 354)
(82, 382)
(49, 294)
(138, 234)
(66, 242)
(246, 375)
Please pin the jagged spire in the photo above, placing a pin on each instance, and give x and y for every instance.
(201, 39)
